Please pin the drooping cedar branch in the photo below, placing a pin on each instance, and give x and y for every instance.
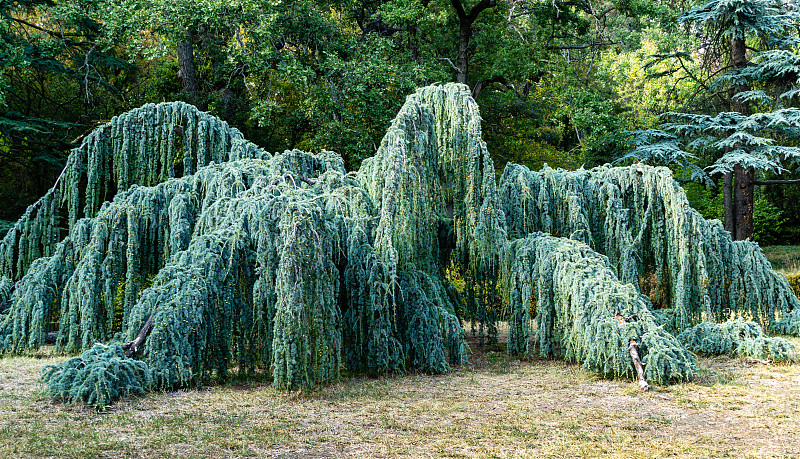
(640, 219)
(583, 308)
(235, 265)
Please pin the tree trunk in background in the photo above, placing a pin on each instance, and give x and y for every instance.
(465, 21)
(739, 197)
(727, 193)
(226, 97)
(188, 73)
(743, 202)
(464, 33)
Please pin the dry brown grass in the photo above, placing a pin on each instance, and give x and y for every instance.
(502, 407)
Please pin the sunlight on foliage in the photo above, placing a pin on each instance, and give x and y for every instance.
(290, 264)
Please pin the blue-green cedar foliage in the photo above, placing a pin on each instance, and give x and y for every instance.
(640, 219)
(736, 337)
(260, 263)
(291, 264)
(565, 299)
(97, 377)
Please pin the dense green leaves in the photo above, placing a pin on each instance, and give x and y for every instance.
(56, 81)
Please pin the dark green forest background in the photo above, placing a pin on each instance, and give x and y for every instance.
(569, 83)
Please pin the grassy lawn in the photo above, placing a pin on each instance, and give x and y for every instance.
(784, 258)
(501, 407)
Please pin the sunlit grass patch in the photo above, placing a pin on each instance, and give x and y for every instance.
(536, 408)
(784, 258)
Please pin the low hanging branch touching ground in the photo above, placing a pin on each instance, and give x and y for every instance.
(97, 377)
(738, 338)
(640, 219)
(290, 264)
(581, 309)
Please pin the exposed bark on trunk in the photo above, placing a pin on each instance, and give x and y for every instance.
(743, 200)
(465, 21)
(465, 31)
(739, 197)
(727, 194)
(133, 346)
(633, 348)
(187, 68)
(188, 71)
(739, 61)
(227, 102)
(478, 87)
(413, 33)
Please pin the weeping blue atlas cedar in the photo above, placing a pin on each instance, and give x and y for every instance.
(288, 263)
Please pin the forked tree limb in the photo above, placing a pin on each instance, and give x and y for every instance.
(133, 346)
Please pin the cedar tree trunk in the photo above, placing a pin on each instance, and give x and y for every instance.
(739, 197)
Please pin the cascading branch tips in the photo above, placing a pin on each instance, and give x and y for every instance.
(287, 263)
